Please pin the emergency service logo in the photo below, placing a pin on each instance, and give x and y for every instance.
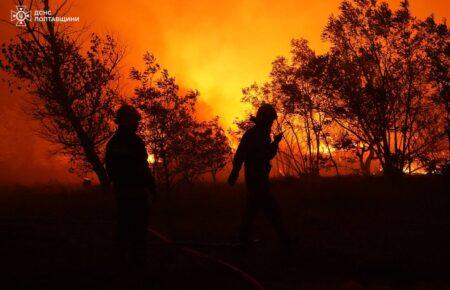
(20, 16)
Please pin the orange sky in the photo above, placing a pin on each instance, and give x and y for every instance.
(217, 47)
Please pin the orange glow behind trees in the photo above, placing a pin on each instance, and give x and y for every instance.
(216, 47)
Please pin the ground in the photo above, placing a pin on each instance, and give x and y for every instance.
(349, 233)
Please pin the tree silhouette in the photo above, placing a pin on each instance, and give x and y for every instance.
(378, 80)
(183, 148)
(206, 150)
(73, 89)
(438, 50)
(214, 147)
(381, 92)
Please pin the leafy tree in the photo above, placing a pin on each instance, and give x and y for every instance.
(183, 148)
(384, 83)
(73, 89)
(208, 150)
(377, 77)
(438, 50)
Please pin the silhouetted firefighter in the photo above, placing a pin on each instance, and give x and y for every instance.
(127, 167)
(256, 150)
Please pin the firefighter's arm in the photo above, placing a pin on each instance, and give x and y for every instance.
(274, 145)
(238, 159)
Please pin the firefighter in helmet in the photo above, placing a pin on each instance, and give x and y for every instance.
(255, 151)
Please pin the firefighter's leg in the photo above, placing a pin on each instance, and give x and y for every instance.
(250, 211)
(272, 211)
(138, 249)
(122, 230)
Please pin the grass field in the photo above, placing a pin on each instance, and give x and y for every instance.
(349, 233)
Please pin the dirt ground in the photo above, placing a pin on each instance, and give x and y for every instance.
(348, 233)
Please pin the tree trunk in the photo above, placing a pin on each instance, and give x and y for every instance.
(213, 174)
(367, 163)
(86, 142)
(89, 151)
(390, 166)
(100, 171)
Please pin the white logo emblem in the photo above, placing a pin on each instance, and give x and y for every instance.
(20, 15)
